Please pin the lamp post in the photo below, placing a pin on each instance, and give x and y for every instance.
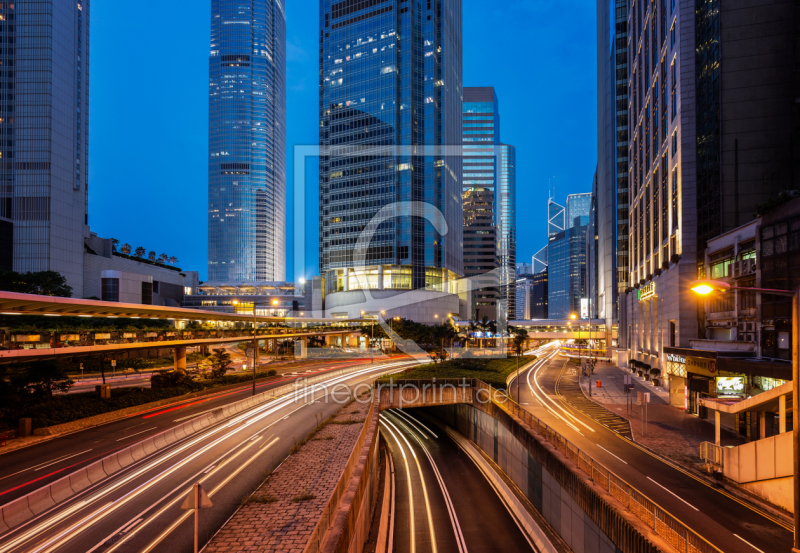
(707, 287)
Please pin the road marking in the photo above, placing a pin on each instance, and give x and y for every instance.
(209, 469)
(415, 422)
(748, 543)
(131, 525)
(136, 434)
(607, 451)
(410, 488)
(52, 462)
(673, 493)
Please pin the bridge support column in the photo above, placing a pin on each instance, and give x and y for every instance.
(782, 414)
(180, 358)
(301, 348)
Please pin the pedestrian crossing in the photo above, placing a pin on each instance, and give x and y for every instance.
(569, 389)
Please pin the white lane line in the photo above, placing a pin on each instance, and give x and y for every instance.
(410, 488)
(676, 495)
(136, 434)
(131, 525)
(40, 467)
(52, 462)
(748, 543)
(607, 451)
(416, 422)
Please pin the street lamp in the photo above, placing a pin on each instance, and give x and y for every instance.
(371, 339)
(255, 339)
(707, 287)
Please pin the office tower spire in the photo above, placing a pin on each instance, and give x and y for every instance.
(247, 141)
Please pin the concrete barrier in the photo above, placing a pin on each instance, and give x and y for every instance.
(18, 511)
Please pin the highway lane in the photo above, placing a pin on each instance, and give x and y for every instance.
(443, 503)
(138, 508)
(717, 516)
(23, 470)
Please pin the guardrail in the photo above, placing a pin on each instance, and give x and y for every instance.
(26, 507)
(677, 534)
(712, 454)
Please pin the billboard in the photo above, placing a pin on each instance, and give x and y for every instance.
(584, 308)
(730, 385)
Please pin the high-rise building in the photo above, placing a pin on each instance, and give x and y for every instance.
(713, 128)
(524, 298)
(489, 189)
(612, 159)
(540, 261)
(44, 154)
(524, 269)
(247, 142)
(566, 273)
(506, 206)
(579, 206)
(556, 219)
(539, 309)
(390, 95)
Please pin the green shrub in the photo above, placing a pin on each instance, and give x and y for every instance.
(492, 371)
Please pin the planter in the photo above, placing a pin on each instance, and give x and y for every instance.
(656, 382)
(640, 373)
(647, 377)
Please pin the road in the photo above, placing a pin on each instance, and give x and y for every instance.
(443, 503)
(22, 470)
(138, 508)
(715, 515)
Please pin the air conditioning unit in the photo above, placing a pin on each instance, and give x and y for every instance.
(751, 327)
(743, 268)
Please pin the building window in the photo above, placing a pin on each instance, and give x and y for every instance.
(110, 289)
(672, 37)
(147, 293)
(673, 334)
(674, 143)
(673, 95)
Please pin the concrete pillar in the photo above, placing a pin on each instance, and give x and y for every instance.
(344, 340)
(762, 425)
(380, 277)
(782, 413)
(346, 280)
(301, 349)
(717, 437)
(180, 358)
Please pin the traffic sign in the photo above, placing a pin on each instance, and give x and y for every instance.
(205, 502)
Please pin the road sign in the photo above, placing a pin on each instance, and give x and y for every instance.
(642, 398)
(250, 352)
(205, 502)
(114, 363)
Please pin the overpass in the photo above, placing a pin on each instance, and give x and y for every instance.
(227, 328)
(554, 329)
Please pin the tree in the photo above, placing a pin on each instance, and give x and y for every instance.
(220, 361)
(126, 248)
(114, 244)
(163, 258)
(42, 377)
(140, 251)
(173, 260)
(151, 255)
(520, 337)
(44, 283)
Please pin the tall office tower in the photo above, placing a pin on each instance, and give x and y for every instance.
(540, 261)
(390, 95)
(612, 158)
(579, 206)
(523, 305)
(566, 273)
(480, 133)
(713, 132)
(556, 219)
(506, 209)
(247, 141)
(539, 309)
(44, 157)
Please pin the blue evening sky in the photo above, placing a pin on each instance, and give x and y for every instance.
(149, 115)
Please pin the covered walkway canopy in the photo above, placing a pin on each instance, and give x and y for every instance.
(12, 303)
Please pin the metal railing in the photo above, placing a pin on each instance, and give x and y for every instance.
(712, 454)
(677, 534)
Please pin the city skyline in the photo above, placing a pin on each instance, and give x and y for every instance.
(158, 178)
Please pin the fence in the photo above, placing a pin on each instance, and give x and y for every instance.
(713, 454)
(677, 534)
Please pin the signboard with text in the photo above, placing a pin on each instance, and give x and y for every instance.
(647, 291)
(730, 385)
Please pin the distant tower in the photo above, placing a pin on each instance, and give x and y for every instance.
(555, 219)
(247, 142)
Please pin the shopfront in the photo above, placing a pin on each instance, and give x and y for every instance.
(694, 374)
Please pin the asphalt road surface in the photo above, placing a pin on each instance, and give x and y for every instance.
(138, 508)
(23, 470)
(443, 503)
(717, 516)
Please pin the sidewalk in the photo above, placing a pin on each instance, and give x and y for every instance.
(670, 431)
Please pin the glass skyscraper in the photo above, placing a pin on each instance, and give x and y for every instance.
(579, 207)
(390, 106)
(44, 154)
(506, 207)
(247, 141)
(566, 273)
(555, 219)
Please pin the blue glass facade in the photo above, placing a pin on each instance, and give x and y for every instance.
(566, 273)
(506, 202)
(579, 207)
(390, 82)
(556, 218)
(247, 141)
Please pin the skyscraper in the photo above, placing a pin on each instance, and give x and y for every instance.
(540, 261)
(390, 96)
(44, 153)
(556, 219)
(579, 206)
(247, 141)
(566, 273)
(506, 206)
